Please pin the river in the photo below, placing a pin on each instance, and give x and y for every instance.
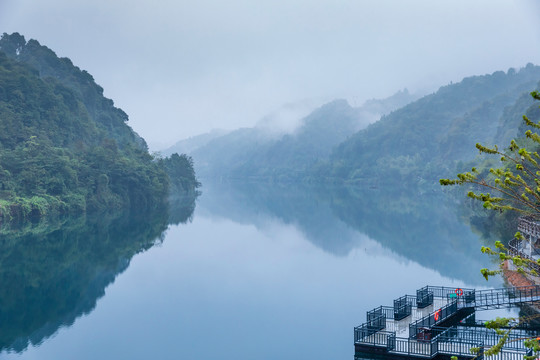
(249, 271)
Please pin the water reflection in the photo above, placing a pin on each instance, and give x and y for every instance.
(424, 228)
(54, 271)
(262, 272)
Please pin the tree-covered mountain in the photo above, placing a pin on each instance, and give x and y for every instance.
(261, 153)
(414, 142)
(424, 140)
(293, 154)
(64, 147)
(498, 224)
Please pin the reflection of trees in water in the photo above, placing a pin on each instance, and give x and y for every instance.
(182, 207)
(424, 228)
(304, 206)
(53, 272)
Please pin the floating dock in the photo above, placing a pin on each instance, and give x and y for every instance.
(439, 322)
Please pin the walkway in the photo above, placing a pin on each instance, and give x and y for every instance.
(428, 325)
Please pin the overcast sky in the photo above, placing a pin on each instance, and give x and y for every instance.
(180, 68)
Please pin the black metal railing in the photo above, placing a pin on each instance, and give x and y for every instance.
(445, 291)
(376, 321)
(434, 318)
(527, 327)
(377, 317)
(403, 306)
(515, 247)
(410, 347)
(427, 339)
(367, 335)
(424, 297)
(456, 341)
(488, 337)
(465, 298)
(497, 298)
(529, 226)
(459, 348)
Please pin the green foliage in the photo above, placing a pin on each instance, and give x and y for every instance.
(64, 147)
(516, 180)
(534, 345)
(181, 174)
(517, 183)
(417, 143)
(498, 323)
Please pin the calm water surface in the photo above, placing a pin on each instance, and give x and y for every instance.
(255, 272)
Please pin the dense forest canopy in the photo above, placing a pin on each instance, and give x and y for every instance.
(426, 139)
(64, 147)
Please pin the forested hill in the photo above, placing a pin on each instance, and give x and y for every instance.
(424, 140)
(64, 147)
(75, 87)
(261, 153)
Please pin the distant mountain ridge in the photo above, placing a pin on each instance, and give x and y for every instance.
(260, 153)
(423, 140)
(188, 145)
(415, 142)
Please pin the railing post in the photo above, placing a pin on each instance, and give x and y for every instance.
(434, 347)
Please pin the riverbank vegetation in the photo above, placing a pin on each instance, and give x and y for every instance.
(65, 148)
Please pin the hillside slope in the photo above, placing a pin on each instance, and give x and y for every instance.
(260, 153)
(64, 147)
(423, 140)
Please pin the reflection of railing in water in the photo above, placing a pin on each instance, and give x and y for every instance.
(426, 338)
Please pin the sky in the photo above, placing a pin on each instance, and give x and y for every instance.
(181, 68)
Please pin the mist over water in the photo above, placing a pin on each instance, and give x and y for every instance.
(256, 263)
